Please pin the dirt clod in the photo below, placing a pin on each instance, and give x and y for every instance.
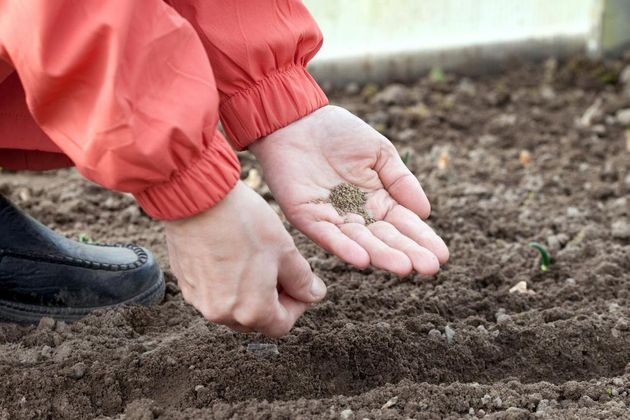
(347, 198)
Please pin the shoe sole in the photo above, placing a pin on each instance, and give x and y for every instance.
(31, 314)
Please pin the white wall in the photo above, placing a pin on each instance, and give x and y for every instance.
(365, 30)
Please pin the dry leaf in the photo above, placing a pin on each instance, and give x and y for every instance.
(443, 160)
(525, 158)
(253, 180)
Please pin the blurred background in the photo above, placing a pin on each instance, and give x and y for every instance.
(376, 40)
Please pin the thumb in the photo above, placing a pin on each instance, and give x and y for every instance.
(297, 279)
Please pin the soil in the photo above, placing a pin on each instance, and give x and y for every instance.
(346, 198)
(457, 345)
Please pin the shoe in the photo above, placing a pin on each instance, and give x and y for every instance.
(43, 274)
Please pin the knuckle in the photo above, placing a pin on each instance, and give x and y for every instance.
(214, 312)
(253, 315)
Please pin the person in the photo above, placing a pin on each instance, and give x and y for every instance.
(131, 93)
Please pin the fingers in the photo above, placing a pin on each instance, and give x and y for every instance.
(423, 260)
(381, 255)
(273, 318)
(401, 184)
(333, 240)
(297, 279)
(410, 225)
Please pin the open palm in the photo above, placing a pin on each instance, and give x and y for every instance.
(304, 161)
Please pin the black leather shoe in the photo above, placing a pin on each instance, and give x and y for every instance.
(43, 274)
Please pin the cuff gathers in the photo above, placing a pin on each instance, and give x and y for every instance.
(269, 105)
(195, 188)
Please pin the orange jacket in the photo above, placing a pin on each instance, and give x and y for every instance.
(131, 91)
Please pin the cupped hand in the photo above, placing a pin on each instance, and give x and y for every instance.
(304, 161)
(237, 264)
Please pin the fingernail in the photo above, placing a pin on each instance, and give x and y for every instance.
(318, 288)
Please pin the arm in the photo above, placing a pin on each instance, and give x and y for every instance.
(126, 91)
(259, 50)
(269, 103)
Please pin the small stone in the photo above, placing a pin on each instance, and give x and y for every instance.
(392, 94)
(390, 403)
(482, 329)
(46, 324)
(622, 325)
(435, 333)
(623, 116)
(46, 351)
(171, 361)
(77, 371)
(486, 399)
(621, 229)
(570, 282)
(450, 335)
(199, 388)
(471, 411)
(503, 318)
(498, 402)
(586, 401)
(543, 405)
(613, 307)
(573, 212)
(617, 382)
(352, 88)
(520, 287)
(346, 414)
(263, 349)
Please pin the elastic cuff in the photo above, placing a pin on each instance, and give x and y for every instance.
(274, 102)
(196, 188)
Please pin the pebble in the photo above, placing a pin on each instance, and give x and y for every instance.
(498, 402)
(622, 325)
(617, 382)
(199, 388)
(263, 349)
(46, 324)
(520, 287)
(77, 371)
(486, 399)
(450, 335)
(621, 229)
(573, 212)
(46, 351)
(392, 94)
(390, 403)
(570, 281)
(346, 414)
(482, 329)
(435, 333)
(623, 116)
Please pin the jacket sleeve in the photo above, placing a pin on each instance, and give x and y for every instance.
(259, 50)
(125, 89)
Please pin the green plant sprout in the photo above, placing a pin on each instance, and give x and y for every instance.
(406, 158)
(545, 256)
(85, 238)
(437, 75)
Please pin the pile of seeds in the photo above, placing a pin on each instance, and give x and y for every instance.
(347, 198)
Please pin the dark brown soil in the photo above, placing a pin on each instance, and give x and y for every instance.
(454, 346)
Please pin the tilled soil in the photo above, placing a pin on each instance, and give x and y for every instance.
(538, 152)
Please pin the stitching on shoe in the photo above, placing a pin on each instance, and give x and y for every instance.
(141, 255)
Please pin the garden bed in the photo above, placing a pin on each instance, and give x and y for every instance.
(536, 153)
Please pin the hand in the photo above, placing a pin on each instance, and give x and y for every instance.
(304, 161)
(237, 265)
